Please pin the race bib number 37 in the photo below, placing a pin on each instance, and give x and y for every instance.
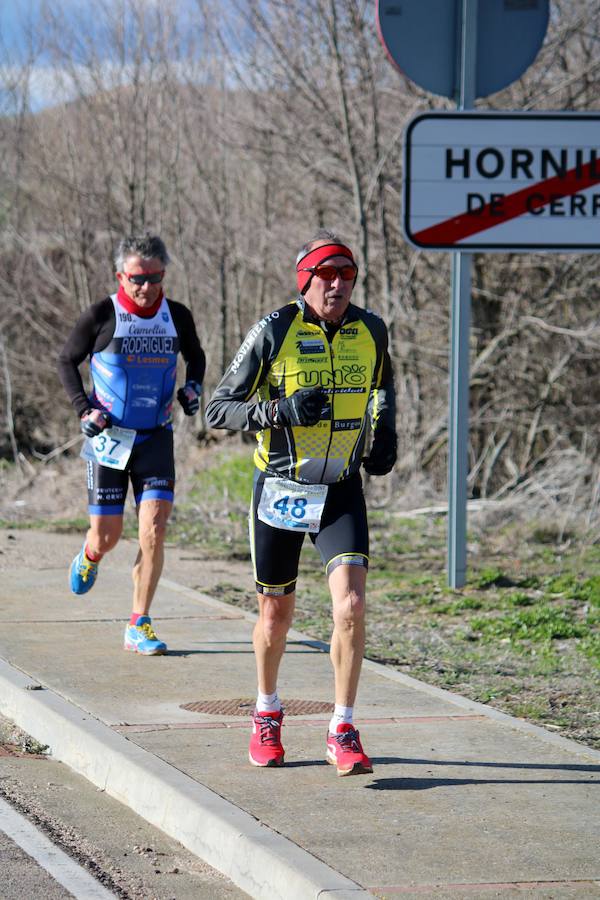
(111, 448)
(295, 507)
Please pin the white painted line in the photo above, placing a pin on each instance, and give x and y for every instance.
(62, 868)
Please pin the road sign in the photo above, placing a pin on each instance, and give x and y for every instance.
(422, 37)
(503, 181)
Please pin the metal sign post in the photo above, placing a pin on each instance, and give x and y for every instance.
(458, 400)
(463, 61)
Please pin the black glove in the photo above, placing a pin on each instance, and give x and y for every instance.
(94, 421)
(382, 457)
(189, 397)
(302, 408)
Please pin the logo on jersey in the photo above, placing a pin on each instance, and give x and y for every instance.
(96, 364)
(150, 344)
(310, 347)
(345, 376)
(248, 341)
(347, 424)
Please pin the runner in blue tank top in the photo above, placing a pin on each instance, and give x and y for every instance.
(132, 340)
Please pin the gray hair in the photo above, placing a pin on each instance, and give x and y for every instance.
(146, 246)
(323, 234)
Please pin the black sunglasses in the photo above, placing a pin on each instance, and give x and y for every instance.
(153, 278)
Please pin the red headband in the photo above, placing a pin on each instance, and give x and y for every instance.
(316, 256)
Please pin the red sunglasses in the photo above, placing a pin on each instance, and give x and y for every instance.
(329, 273)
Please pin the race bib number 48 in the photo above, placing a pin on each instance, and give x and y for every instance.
(293, 506)
(111, 448)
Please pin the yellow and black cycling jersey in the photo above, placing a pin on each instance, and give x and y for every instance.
(290, 350)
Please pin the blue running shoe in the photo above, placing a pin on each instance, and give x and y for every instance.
(141, 638)
(83, 572)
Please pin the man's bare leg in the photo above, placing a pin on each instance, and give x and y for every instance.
(344, 749)
(347, 585)
(153, 516)
(275, 614)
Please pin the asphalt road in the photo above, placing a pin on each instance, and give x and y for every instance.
(103, 838)
(23, 877)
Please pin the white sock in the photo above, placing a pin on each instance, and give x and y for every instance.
(268, 702)
(341, 715)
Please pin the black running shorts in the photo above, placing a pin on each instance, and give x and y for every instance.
(343, 538)
(150, 467)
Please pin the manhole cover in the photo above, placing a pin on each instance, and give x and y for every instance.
(244, 707)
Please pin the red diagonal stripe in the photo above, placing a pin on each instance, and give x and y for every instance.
(456, 229)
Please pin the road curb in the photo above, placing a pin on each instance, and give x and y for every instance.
(260, 861)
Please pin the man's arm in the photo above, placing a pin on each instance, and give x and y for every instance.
(79, 345)
(382, 407)
(189, 343)
(382, 403)
(230, 406)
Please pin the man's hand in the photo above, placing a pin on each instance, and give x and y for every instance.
(382, 457)
(94, 421)
(189, 397)
(302, 408)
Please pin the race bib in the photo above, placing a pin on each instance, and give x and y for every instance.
(111, 448)
(293, 506)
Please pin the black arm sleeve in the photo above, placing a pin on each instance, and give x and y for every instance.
(382, 402)
(231, 406)
(189, 343)
(91, 333)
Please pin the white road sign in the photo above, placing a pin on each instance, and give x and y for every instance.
(503, 181)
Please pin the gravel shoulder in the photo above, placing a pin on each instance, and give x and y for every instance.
(121, 850)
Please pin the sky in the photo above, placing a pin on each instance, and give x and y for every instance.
(84, 29)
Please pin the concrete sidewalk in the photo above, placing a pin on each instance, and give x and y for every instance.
(463, 801)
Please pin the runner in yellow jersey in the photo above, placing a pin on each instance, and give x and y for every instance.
(307, 379)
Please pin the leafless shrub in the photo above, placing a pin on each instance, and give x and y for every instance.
(235, 130)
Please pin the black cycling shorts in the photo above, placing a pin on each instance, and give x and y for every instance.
(151, 468)
(343, 538)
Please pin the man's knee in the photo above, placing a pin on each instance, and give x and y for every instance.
(103, 536)
(152, 535)
(152, 526)
(275, 617)
(349, 608)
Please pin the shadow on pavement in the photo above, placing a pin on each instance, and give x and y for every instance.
(566, 767)
(424, 784)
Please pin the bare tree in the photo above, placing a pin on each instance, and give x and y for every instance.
(236, 129)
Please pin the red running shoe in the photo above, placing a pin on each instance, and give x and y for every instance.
(345, 751)
(265, 743)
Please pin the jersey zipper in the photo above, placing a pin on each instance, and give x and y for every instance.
(331, 358)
